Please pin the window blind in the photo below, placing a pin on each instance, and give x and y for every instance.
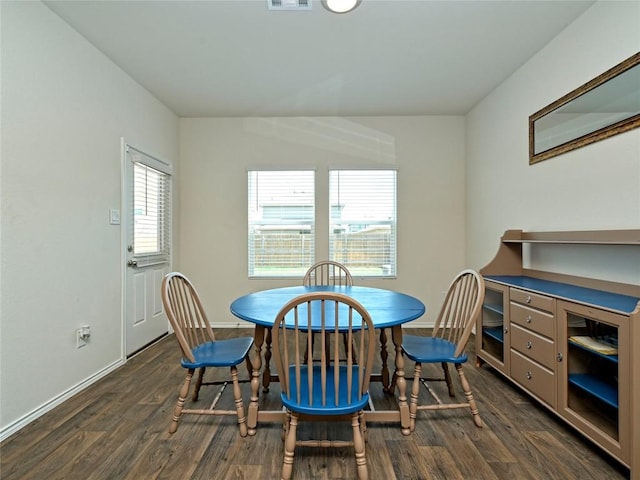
(281, 222)
(362, 225)
(151, 215)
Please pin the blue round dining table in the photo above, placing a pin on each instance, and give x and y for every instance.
(388, 309)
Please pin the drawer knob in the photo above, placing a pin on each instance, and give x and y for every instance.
(528, 300)
(529, 345)
(529, 319)
(529, 376)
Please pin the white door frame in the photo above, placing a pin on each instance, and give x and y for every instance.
(124, 229)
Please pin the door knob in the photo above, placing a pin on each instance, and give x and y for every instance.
(132, 263)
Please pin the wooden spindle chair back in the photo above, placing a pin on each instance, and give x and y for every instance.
(446, 345)
(200, 350)
(335, 386)
(460, 309)
(327, 272)
(186, 314)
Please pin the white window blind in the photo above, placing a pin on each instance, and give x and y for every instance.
(151, 215)
(281, 222)
(362, 226)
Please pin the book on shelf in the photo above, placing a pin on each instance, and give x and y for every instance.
(592, 344)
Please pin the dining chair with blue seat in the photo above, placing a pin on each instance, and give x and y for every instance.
(201, 350)
(327, 272)
(446, 345)
(333, 388)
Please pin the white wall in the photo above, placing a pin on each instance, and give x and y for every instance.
(215, 155)
(594, 187)
(65, 107)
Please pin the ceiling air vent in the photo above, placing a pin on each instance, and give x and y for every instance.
(289, 4)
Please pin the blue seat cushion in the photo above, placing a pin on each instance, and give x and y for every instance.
(221, 353)
(313, 405)
(430, 350)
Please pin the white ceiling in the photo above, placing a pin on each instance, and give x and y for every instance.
(225, 58)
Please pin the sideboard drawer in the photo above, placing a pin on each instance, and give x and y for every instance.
(535, 320)
(535, 378)
(534, 346)
(533, 300)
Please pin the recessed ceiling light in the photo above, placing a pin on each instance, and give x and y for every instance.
(340, 6)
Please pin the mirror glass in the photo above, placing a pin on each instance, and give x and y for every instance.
(605, 106)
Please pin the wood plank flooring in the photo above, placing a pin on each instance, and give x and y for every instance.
(117, 429)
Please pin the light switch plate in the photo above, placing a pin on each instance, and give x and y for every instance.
(114, 216)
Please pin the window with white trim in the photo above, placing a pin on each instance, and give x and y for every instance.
(362, 225)
(281, 222)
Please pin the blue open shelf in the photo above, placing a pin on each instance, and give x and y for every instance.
(494, 332)
(594, 386)
(493, 308)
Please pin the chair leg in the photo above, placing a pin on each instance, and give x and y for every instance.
(467, 393)
(237, 395)
(289, 447)
(358, 445)
(285, 424)
(415, 392)
(182, 396)
(363, 425)
(196, 390)
(447, 378)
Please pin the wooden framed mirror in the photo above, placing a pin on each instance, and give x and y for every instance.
(606, 106)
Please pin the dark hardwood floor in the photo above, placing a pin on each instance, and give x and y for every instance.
(117, 429)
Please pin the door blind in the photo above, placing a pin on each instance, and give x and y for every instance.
(151, 215)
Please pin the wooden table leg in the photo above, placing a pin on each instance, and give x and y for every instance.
(266, 375)
(383, 357)
(252, 414)
(400, 382)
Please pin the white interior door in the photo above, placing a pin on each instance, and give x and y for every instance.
(147, 237)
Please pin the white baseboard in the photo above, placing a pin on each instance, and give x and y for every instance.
(13, 427)
(417, 324)
(232, 324)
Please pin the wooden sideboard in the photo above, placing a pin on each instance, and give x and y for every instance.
(571, 342)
